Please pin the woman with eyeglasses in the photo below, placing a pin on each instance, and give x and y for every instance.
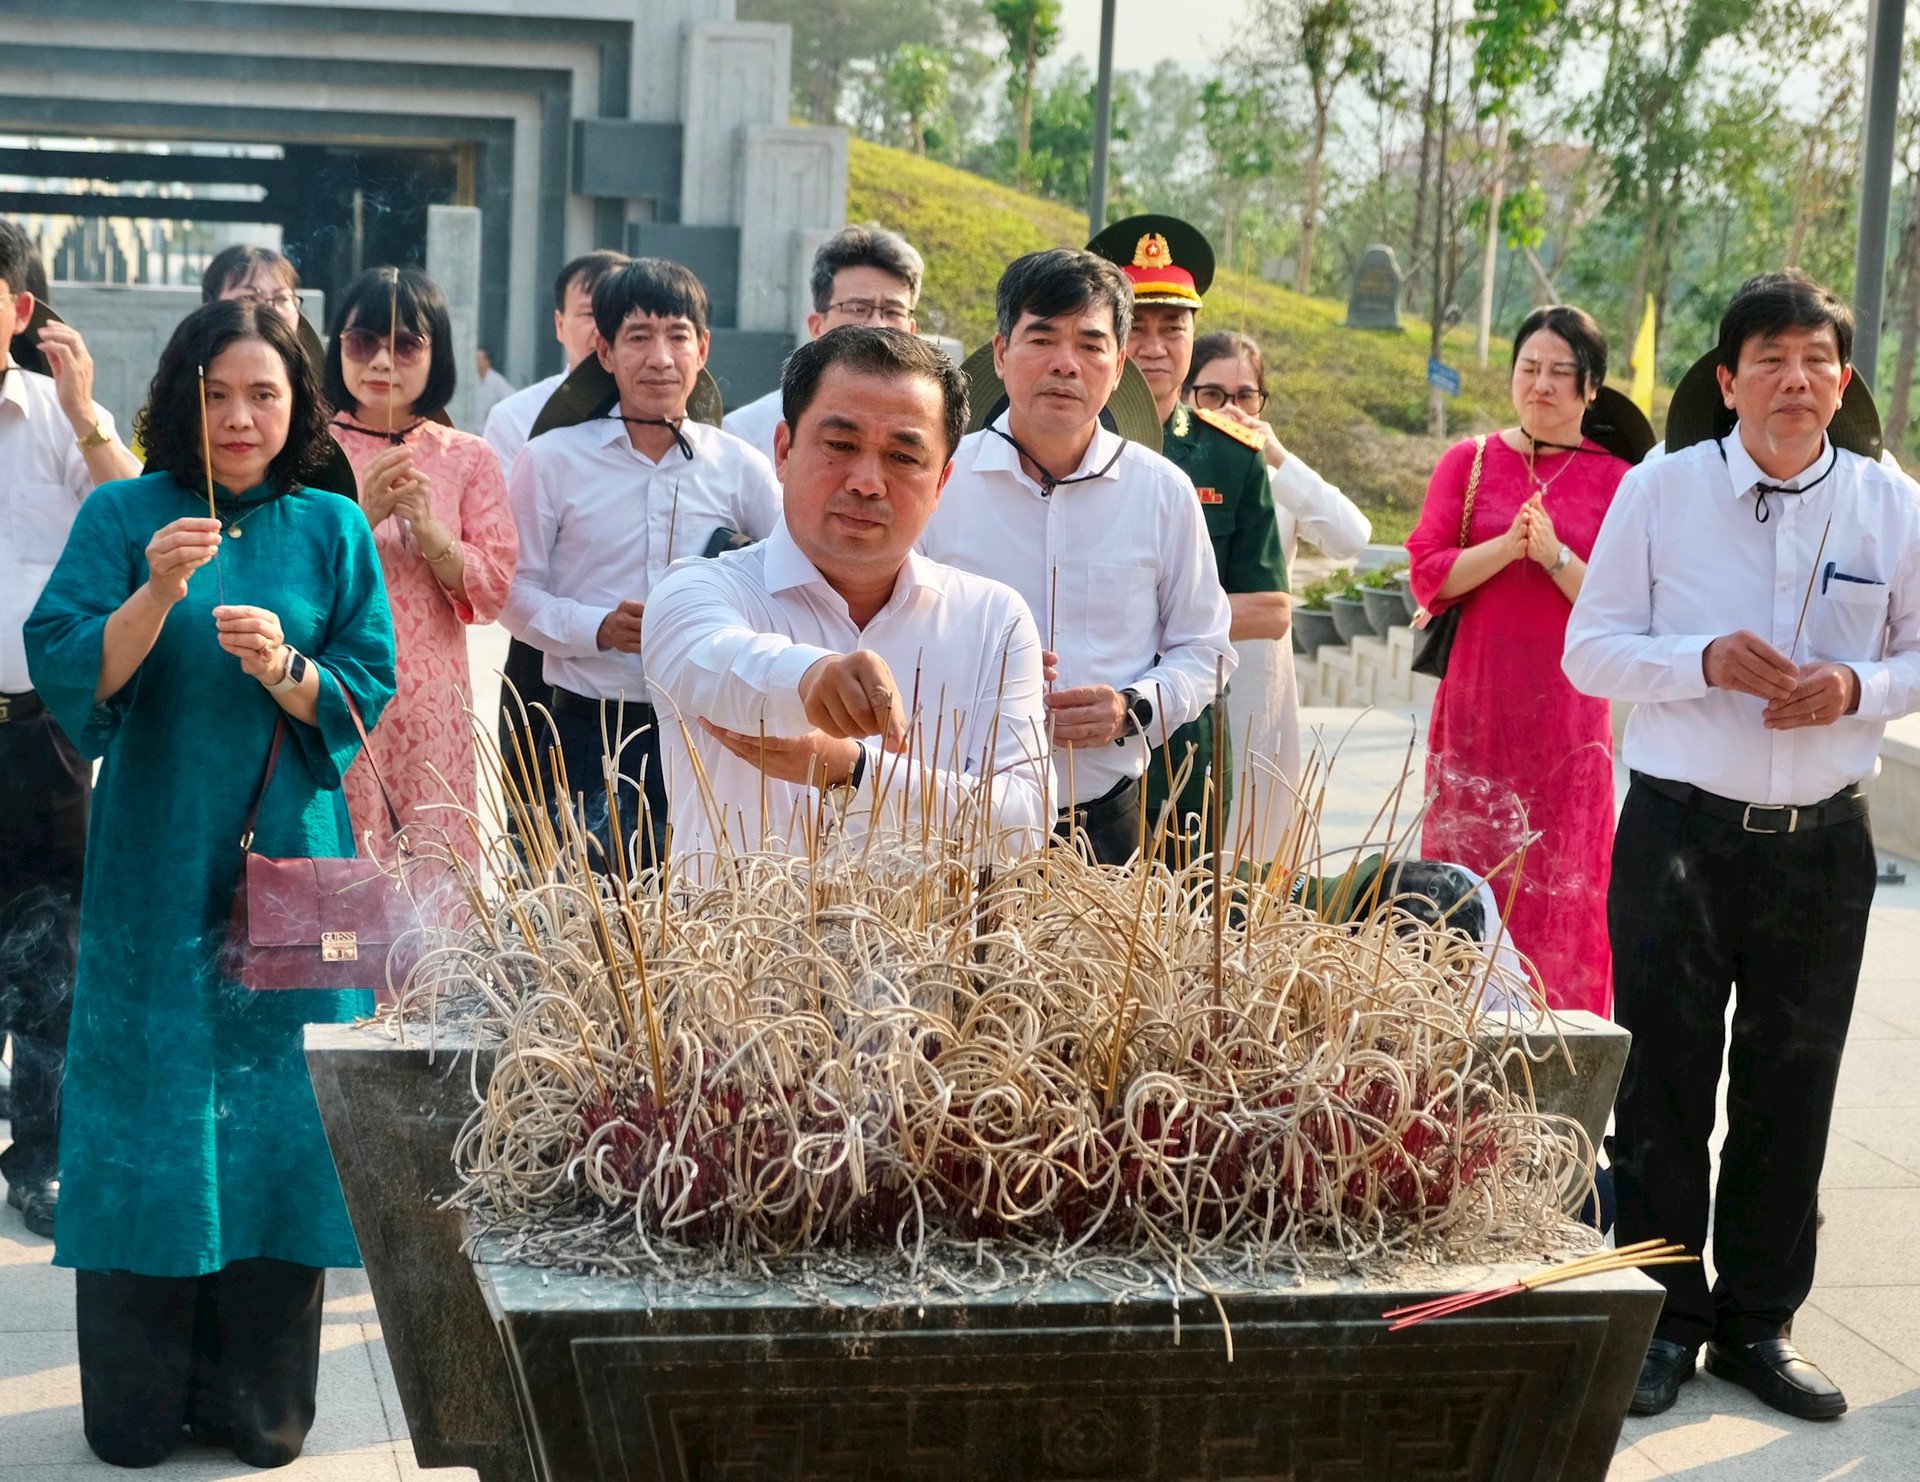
(1517, 759)
(438, 507)
(1229, 376)
(254, 275)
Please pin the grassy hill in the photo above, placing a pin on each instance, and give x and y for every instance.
(1352, 403)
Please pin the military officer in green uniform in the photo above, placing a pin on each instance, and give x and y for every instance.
(1171, 266)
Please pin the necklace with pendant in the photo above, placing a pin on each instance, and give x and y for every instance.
(231, 519)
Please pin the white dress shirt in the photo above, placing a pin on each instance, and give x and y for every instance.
(1126, 555)
(1306, 504)
(754, 422)
(1682, 560)
(728, 640)
(600, 523)
(488, 392)
(43, 478)
(510, 421)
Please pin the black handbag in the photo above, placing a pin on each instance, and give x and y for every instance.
(1437, 633)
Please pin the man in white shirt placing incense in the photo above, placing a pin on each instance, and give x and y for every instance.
(604, 507)
(831, 680)
(1755, 594)
(1104, 539)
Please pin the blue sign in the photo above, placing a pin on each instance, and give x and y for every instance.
(1443, 376)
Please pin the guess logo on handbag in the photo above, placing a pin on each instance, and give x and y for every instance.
(339, 946)
(1211, 496)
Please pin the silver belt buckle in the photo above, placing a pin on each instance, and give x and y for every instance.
(1793, 818)
(6, 710)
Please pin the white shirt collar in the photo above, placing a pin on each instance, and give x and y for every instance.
(1743, 473)
(613, 429)
(13, 384)
(788, 568)
(998, 455)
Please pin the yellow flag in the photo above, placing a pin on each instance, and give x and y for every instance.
(1641, 392)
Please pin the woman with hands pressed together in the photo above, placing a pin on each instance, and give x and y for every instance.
(438, 507)
(200, 1206)
(1513, 749)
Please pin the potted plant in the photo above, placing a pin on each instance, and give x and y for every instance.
(1381, 592)
(1349, 611)
(1312, 623)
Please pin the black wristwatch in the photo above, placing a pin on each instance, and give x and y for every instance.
(1139, 715)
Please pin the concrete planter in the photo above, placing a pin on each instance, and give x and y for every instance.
(1407, 600)
(1063, 1383)
(1385, 610)
(1312, 626)
(1350, 618)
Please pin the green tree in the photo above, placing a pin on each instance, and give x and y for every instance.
(915, 81)
(1032, 30)
(840, 46)
(1242, 125)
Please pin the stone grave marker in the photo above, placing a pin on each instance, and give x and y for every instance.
(1373, 302)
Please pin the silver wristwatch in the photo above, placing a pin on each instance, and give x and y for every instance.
(1560, 563)
(296, 671)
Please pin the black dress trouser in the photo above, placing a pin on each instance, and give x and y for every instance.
(1108, 826)
(1699, 906)
(232, 1358)
(45, 786)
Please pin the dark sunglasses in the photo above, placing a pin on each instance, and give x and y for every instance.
(361, 345)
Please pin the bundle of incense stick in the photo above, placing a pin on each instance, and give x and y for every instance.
(206, 445)
(1643, 1253)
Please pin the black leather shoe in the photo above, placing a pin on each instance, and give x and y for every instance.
(1774, 1370)
(37, 1203)
(1668, 1365)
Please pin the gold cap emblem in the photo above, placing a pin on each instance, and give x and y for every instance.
(1152, 252)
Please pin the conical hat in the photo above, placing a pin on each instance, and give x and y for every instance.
(1699, 412)
(1614, 422)
(590, 391)
(1129, 411)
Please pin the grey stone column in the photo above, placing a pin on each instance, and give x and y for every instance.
(453, 261)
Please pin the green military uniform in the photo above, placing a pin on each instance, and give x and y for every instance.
(1229, 475)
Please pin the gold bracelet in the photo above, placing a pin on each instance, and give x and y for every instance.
(452, 546)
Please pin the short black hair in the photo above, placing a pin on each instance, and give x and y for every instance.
(869, 351)
(587, 270)
(169, 427)
(648, 285)
(1772, 302)
(1583, 336)
(233, 265)
(370, 302)
(17, 257)
(869, 245)
(1063, 280)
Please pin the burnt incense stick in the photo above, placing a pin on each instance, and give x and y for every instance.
(1806, 601)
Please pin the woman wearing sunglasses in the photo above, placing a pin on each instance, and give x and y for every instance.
(438, 507)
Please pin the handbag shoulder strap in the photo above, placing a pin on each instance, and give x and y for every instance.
(1473, 489)
(273, 761)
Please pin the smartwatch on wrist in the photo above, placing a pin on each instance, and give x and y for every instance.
(296, 671)
(1139, 715)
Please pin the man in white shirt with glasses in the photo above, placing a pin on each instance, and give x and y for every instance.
(861, 275)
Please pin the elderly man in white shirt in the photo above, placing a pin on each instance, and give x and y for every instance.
(56, 444)
(1756, 597)
(792, 669)
(861, 275)
(1104, 539)
(603, 509)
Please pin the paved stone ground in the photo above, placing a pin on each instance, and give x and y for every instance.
(1863, 1322)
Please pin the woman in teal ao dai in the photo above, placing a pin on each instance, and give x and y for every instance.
(199, 1202)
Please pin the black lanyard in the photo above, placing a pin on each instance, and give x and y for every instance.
(672, 424)
(341, 419)
(1760, 510)
(1048, 483)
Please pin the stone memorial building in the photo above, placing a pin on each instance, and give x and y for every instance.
(658, 126)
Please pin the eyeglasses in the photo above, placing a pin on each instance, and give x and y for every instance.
(282, 302)
(867, 310)
(361, 345)
(1249, 399)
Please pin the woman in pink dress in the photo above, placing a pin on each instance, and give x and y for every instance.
(1512, 749)
(438, 507)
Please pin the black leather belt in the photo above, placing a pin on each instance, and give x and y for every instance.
(1100, 808)
(585, 707)
(1762, 818)
(23, 706)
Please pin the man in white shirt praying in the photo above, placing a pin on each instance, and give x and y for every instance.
(56, 444)
(1756, 597)
(1104, 539)
(604, 507)
(831, 680)
(861, 275)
